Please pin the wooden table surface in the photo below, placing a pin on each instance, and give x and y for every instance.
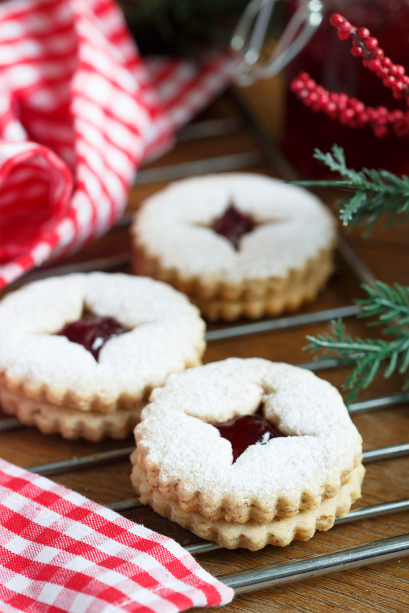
(381, 587)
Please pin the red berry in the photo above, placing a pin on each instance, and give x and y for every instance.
(374, 65)
(336, 19)
(311, 99)
(356, 51)
(377, 54)
(372, 114)
(397, 95)
(371, 43)
(363, 33)
(304, 76)
(296, 85)
(395, 116)
(342, 102)
(310, 84)
(343, 35)
(383, 72)
(323, 100)
(383, 111)
(398, 87)
(405, 79)
(389, 81)
(357, 105)
(397, 71)
(363, 117)
(380, 131)
(345, 26)
(346, 115)
(331, 109)
(387, 62)
(333, 96)
(365, 62)
(303, 94)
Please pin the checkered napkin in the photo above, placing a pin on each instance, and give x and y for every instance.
(79, 112)
(60, 552)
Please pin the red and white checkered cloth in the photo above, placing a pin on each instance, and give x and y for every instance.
(79, 112)
(59, 552)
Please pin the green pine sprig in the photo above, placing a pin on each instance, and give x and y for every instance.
(369, 356)
(388, 304)
(375, 192)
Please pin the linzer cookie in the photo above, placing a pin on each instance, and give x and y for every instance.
(80, 354)
(253, 534)
(236, 244)
(245, 443)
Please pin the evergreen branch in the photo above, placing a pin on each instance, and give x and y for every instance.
(376, 192)
(368, 355)
(387, 304)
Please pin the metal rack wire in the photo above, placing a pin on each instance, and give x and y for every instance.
(281, 573)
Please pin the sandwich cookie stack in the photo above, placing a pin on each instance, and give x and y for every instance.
(80, 354)
(248, 453)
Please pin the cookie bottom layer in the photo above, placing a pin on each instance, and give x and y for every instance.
(253, 298)
(290, 299)
(70, 423)
(253, 534)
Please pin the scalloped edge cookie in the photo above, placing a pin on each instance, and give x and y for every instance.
(187, 460)
(255, 535)
(58, 386)
(258, 280)
(166, 334)
(70, 423)
(252, 299)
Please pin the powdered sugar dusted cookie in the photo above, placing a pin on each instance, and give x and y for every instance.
(253, 534)
(244, 440)
(80, 354)
(237, 244)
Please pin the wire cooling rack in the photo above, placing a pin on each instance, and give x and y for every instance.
(311, 566)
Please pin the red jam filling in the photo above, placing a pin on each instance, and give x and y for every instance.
(247, 430)
(92, 332)
(232, 225)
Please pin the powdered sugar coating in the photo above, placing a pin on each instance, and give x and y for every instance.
(185, 457)
(174, 226)
(166, 335)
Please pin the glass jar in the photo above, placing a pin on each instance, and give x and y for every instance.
(328, 60)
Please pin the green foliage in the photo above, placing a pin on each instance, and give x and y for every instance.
(369, 356)
(375, 192)
(387, 303)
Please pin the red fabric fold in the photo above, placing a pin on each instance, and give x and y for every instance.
(73, 87)
(60, 552)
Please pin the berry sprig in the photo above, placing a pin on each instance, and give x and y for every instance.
(350, 111)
